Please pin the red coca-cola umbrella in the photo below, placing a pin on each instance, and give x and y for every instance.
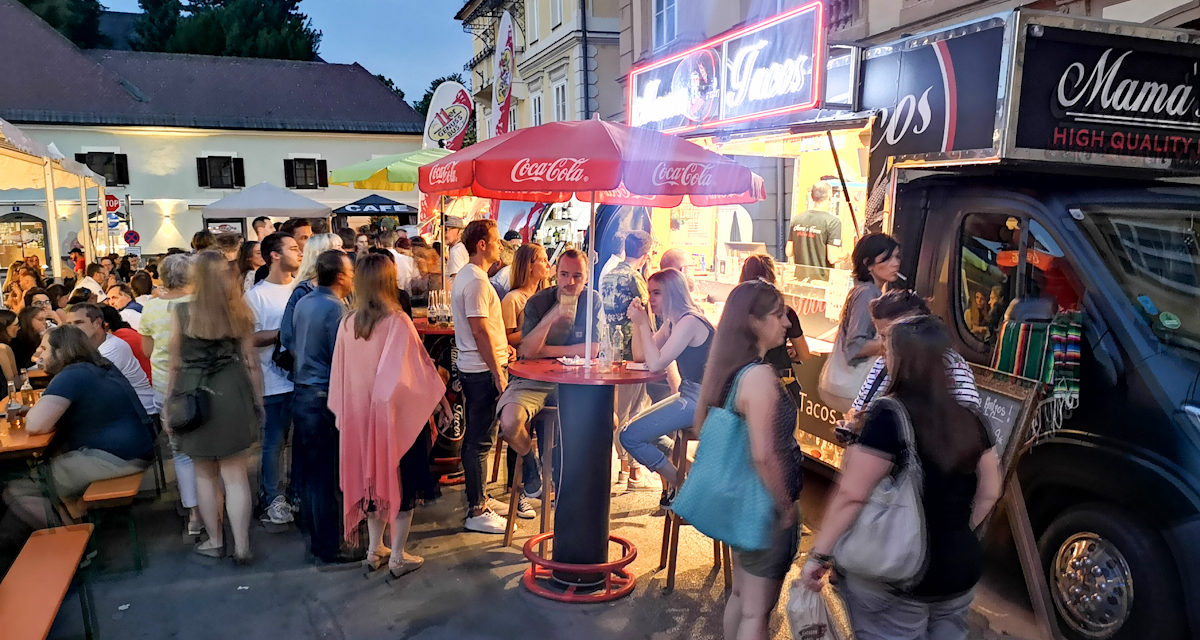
(592, 160)
(596, 161)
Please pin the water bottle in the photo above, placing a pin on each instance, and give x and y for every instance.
(606, 347)
(617, 344)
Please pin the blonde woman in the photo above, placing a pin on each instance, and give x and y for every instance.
(305, 283)
(383, 387)
(530, 269)
(683, 339)
(211, 348)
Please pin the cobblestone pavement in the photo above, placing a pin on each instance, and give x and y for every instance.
(469, 588)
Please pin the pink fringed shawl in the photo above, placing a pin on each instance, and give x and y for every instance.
(382, 391)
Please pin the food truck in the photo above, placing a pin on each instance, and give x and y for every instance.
(1030, 164)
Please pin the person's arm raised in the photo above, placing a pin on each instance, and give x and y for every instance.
(683, 334)
(534, 345)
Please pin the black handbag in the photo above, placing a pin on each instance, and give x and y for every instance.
(187, 410)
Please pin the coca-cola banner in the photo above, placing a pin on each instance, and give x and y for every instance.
(758, 71)
(939, 97)
(1097, 94)
(502, 78)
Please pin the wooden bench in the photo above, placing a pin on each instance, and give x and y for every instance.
(35, 586)
(115, 493)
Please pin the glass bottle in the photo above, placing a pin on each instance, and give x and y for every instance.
(16, 421)
(27, 394)
(606, 347)
(616, 344)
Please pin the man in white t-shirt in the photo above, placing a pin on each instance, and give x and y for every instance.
(406, 267)
(483, 354)
(458, 254)
(91, 282)
(267, 300)
(90, 320)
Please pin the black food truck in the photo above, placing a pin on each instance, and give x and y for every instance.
(1028, 163)
(1067, 194)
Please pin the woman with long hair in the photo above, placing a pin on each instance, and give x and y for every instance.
(248, 261)
(102, 430)
(211, 348)
(530, 270)
(31, 324)
(684, 337)
(876, 263)
(753, 322)
(305, 282)
(8, 360)
(383, 387)
(157, 332)
(761, 266)
(961, 484)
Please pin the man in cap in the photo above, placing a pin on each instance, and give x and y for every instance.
(458, 257)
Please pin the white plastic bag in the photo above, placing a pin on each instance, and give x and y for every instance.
(809, 613)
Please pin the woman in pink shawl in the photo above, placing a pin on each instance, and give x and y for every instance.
(383, 388)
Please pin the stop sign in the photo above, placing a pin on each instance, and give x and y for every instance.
(111, 203)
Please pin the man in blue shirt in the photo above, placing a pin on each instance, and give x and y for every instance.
(315, 446)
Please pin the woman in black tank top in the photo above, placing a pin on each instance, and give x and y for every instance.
(683, 337)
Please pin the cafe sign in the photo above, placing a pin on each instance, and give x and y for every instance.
(758, 71)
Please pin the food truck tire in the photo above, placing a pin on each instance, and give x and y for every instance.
(1091, 549)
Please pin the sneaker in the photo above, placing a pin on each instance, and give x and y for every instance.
(486, 522)
(645, 482)
(279, 512)
(532, 471)
(492, 504)
(525, 509)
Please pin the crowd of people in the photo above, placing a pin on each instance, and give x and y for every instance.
(306, 336)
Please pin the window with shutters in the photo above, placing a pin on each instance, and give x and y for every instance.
(535, 109)
(305, 173)
(113, 166)
(220, 172)
(665, 25)
(560, 101)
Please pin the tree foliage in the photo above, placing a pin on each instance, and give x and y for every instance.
(387, 82)
(156, 25)
(246, 28)
(78, 20)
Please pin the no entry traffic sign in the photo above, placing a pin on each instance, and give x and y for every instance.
(111, 203)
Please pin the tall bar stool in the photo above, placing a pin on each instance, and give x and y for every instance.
(683, 454)
(550, 422)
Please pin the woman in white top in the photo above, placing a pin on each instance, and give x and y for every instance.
(248, 261)
(530, 269)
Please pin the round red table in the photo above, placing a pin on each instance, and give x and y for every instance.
(426, 329)
(585, 411)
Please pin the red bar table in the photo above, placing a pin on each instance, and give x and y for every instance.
(585, 410)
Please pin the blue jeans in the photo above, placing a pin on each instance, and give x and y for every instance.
(480, 396)
(315, 465)
(278, 422)
(646, 437)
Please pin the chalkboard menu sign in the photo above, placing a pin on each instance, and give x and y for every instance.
(1007, 404)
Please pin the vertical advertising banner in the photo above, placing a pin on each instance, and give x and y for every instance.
(449, 114)
(502, 78)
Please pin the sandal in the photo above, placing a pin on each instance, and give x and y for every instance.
(209, 552)
(408, 564)
(374, 562)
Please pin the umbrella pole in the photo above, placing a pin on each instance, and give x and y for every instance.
(445, 253)
(591, 255)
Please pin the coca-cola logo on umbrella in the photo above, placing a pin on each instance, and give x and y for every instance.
(445, 173)
(560, 170)
(693, 174)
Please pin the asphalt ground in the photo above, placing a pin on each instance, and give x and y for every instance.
(469, 588)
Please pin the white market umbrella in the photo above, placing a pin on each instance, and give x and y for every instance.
(265, 199)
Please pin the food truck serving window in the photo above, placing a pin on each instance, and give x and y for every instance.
(1153, 255)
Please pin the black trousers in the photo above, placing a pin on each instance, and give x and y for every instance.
(315, 473)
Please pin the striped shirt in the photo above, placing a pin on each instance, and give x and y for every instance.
(959, 379)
